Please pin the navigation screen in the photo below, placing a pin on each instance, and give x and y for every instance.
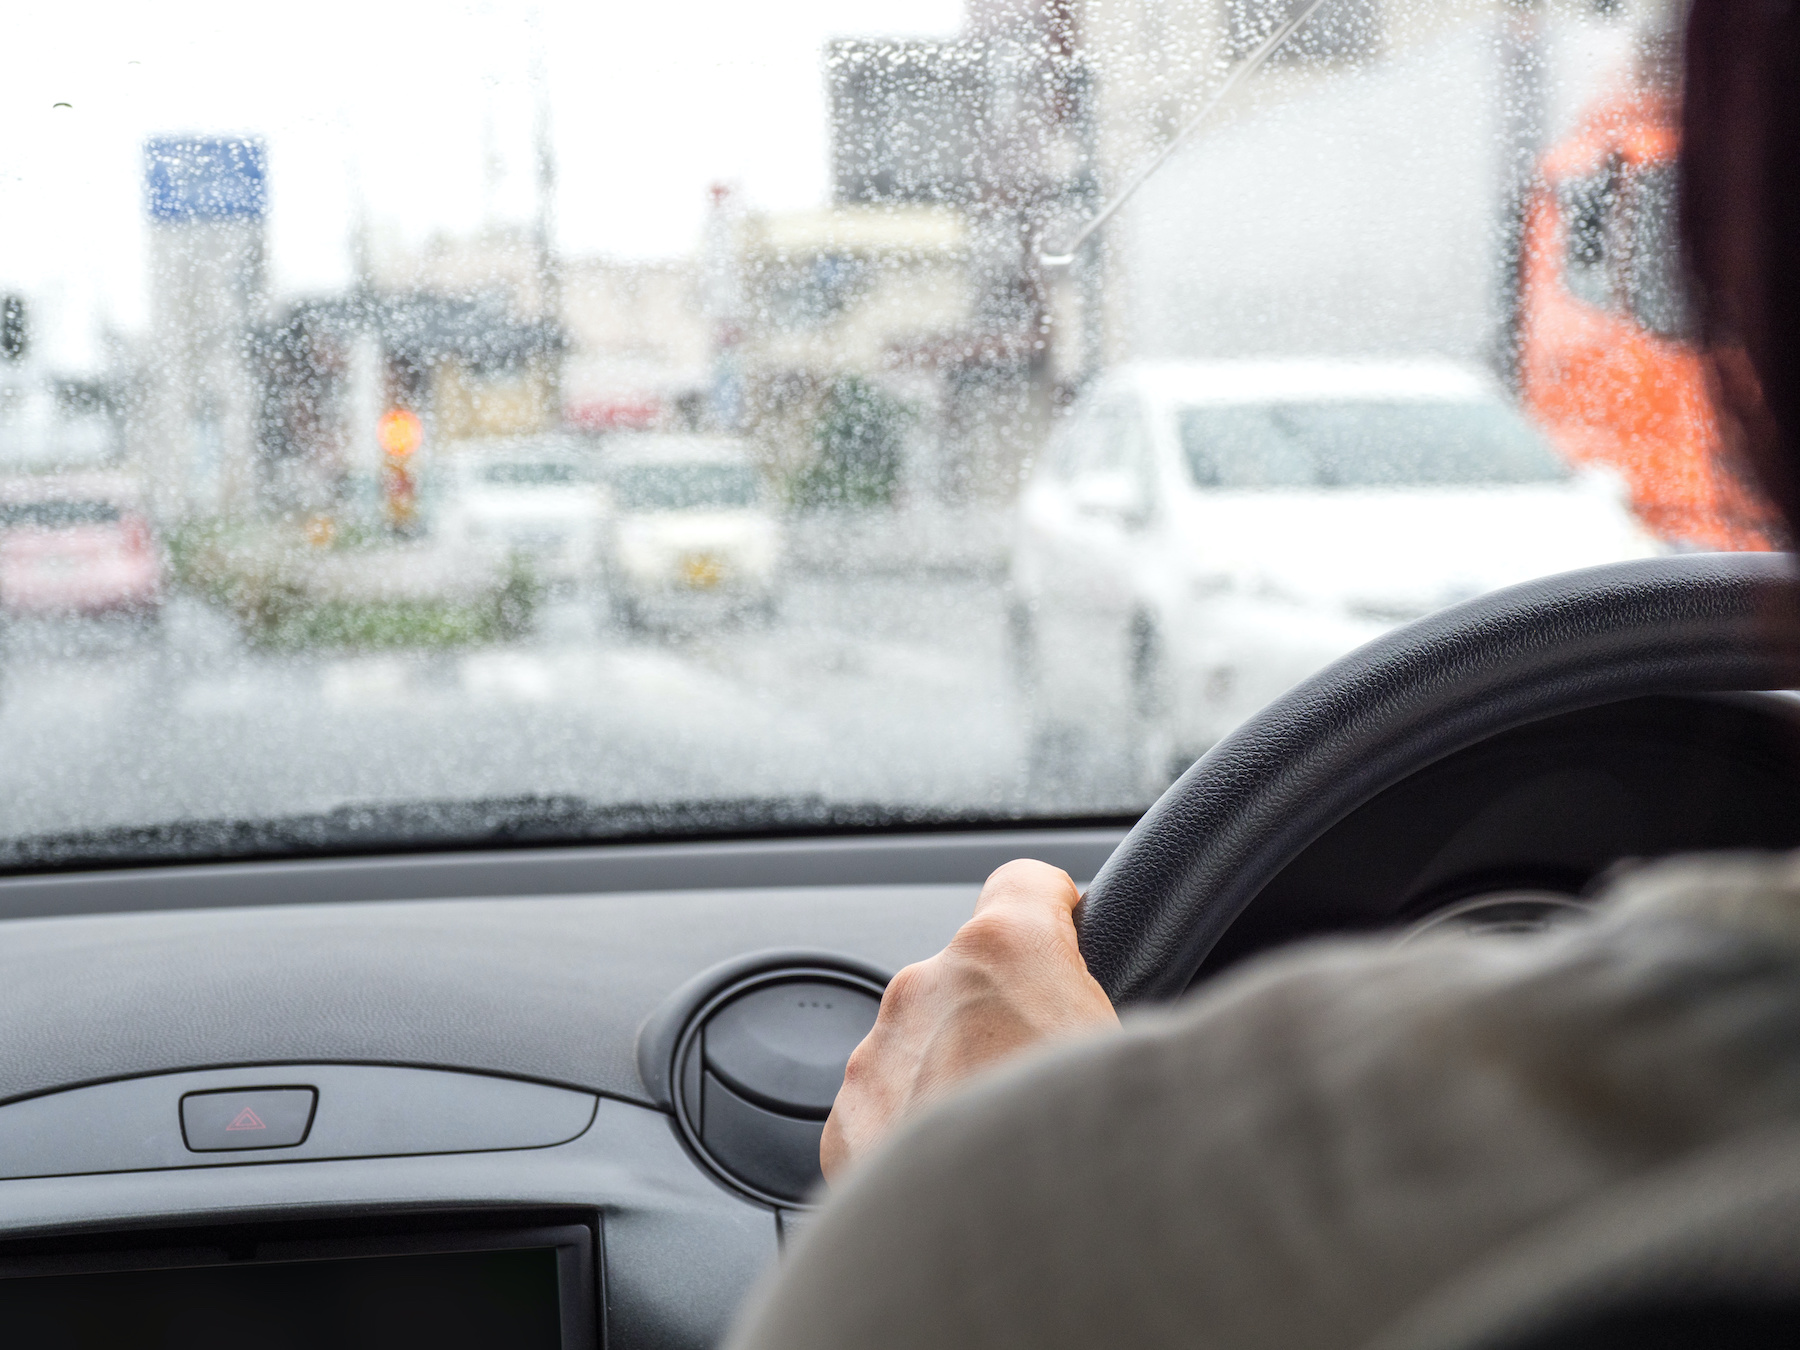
(445, 1300)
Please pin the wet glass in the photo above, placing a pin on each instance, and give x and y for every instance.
(683, 487)
(55, 515)
(1364, 444)
(541, 474)
(472, 422)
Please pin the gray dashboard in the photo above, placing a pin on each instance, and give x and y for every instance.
(498, 977)
(469, 1024)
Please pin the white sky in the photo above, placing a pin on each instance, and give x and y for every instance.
(401, 99)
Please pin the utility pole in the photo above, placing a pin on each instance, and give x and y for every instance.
(1524, 53)
(722, 300)
(544, 238)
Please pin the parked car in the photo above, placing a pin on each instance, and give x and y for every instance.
(77, 544)
(1200, 536)
(532, 497)
(689, 529)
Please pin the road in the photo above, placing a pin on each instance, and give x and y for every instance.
(866, 689)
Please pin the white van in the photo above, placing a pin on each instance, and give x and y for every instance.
(689, 530)
(529, 496)
(1200, 536)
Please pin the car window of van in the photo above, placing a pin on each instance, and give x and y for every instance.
(1591, 243)
(1243, 446)
(1654, 293)
(539, 474)
(679, 486)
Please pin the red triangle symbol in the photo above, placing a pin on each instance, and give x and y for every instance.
(247, 1120)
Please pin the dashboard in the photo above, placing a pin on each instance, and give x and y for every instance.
(465, 1031)
(581, 1084)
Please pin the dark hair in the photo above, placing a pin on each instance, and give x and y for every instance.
(1740, 221)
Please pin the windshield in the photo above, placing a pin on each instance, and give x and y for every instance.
(547, 421)
(1353, 444)
(683, 487)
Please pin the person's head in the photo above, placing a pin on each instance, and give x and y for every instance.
(1740, 218)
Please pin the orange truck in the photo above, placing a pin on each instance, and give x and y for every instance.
(1605, 361)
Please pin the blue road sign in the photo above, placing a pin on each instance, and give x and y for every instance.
(205, 178)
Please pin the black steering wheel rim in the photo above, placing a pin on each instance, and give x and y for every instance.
(1694, 623)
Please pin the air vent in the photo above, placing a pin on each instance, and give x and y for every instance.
(756, 1071)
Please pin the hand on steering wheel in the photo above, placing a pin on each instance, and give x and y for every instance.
(1033, 963)
(1011, 978)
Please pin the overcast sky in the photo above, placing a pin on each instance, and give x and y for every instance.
(406, 103)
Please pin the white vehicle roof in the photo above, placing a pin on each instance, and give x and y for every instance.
(1292, 379)
(657, 447)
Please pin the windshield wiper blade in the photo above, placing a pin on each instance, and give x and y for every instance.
(508, 822)
(1250, 66)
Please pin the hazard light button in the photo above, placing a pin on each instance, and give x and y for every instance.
(247, 1118)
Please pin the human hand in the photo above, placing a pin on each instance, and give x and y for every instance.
(1012, 977)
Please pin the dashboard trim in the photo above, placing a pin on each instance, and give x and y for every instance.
(907, 859)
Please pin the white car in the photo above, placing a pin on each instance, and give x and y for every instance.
(530, 497)
(1200, 536)
(689, 530)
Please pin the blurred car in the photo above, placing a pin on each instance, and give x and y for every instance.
(689, 529)
(531, 497)
(77, 545)
(1201, 536)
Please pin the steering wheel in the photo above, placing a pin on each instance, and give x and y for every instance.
(1696, 623)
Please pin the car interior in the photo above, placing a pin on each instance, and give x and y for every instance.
(484, 968)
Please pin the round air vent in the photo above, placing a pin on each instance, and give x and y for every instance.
(756, 1071)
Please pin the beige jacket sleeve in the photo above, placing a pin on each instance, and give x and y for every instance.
(1298, 1154)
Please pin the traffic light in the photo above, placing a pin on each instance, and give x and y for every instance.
(399, 433)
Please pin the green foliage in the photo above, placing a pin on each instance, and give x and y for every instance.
(375, 625)
(858, 439)
(261, 576)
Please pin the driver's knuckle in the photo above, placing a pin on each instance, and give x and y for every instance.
(1024, 874)
(903, 991)
(859, 1067)
(993, 939)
